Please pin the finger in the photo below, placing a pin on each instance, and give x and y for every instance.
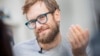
(80, 35)
(79, 28)
(71, 41)
(74, 36)
(86, 34)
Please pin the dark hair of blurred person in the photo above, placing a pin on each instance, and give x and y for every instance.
(5, 46)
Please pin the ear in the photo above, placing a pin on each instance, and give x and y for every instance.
(57, 15)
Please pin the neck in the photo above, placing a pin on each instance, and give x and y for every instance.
(51, 45)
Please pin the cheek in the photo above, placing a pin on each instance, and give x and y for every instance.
(52, 25)
(35, 32)
(51, 22)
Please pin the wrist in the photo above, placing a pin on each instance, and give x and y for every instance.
(81, 54)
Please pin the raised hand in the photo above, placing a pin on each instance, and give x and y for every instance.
(78, 38)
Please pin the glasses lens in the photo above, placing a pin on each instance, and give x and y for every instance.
(31, 25)
(42, 19)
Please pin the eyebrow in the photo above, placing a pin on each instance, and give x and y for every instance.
(36, 17)
(33, 20)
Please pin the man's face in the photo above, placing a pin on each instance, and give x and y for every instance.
(45, 33)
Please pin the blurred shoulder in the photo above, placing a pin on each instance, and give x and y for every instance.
(25, 44)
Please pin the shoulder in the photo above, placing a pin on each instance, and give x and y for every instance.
(27, 45)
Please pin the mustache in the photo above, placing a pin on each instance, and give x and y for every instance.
(41, 29)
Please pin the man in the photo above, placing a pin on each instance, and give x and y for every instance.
(44, 17)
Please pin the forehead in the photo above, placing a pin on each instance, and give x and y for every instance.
(36, 9)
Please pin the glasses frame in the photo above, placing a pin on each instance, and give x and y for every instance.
(36, 20)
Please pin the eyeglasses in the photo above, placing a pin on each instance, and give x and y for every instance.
(42, 19)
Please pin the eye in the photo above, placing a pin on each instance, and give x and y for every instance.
(31, 24)
(41, 16)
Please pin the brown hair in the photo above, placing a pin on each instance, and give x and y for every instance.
(50, 4)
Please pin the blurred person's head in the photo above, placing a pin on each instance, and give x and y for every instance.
(44, 17)
(5, 47)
